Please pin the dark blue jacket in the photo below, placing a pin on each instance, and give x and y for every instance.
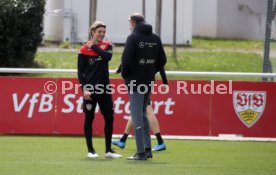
(143, 55)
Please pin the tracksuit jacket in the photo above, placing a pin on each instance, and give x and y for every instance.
(143, 55)
(93, 64)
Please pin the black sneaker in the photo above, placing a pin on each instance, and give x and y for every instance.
(138, 156)
(149, 154)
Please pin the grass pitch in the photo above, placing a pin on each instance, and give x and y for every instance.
(32, 155)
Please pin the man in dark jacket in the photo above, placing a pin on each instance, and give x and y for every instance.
(142, 57)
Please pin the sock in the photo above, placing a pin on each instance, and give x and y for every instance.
(159, 138)
(124, 137)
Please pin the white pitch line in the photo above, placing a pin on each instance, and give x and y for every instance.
(223, 137)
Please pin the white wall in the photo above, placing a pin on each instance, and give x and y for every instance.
(80, 25)
(115, 16)
(205, 18)
(114, 13)
(208, 18)
(184, 21)
(66, 20)
(241, 19)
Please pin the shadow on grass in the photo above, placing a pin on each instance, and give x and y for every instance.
(129, 162)
(100, 159)
(148, 162)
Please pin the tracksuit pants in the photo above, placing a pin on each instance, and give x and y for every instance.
(106, 106)
(138, 107)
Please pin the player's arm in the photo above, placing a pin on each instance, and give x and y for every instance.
(105, 54)
(81, 76)
(81, 66)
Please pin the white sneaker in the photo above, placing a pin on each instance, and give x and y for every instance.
(112, 155)
(92, 155)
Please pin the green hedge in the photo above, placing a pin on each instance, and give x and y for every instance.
(20, 31)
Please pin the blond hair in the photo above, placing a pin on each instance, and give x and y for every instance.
(96, 25)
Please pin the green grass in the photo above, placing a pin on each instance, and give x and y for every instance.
(211, 55)
(209, 43)
(217, 62)
(187, 61)
(32, 155)
(66, 60)
(273, 62)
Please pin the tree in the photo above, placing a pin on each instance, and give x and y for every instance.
(20, 31)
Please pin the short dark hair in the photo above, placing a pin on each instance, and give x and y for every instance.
(137, 17)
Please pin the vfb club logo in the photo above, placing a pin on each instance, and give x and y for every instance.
(249, 106)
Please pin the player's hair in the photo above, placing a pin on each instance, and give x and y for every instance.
(95, 25)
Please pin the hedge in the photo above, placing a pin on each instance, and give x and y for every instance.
(20, 31)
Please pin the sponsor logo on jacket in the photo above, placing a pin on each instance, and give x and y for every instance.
(146, 44)
(143, 61)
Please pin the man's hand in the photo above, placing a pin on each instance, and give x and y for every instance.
(86, 95)
(118, 70)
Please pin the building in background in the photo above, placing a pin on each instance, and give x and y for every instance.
(68, 20)
(242, 19)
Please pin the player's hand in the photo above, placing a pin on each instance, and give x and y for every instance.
(89, 43)
(87, 95)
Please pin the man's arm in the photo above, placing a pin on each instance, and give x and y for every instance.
(127, 57)
(119, 69)
(163, 75)
(162, 60)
